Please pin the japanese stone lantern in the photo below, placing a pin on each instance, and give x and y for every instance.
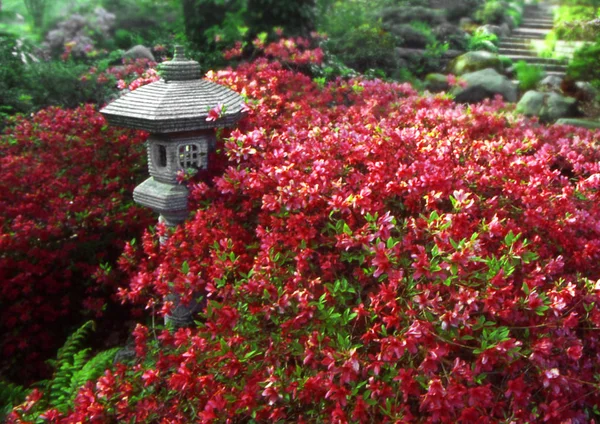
(174, 110)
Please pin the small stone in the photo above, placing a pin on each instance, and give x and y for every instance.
(139, 52)
(551, 82)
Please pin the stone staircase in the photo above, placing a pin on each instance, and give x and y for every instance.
(537, 23)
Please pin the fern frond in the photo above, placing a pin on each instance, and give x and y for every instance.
(10, 395)
(92, 369)
(74, 343)
(69, 359)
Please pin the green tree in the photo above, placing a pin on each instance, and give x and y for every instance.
(37, 10)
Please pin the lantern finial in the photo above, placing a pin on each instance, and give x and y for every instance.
(179, 53)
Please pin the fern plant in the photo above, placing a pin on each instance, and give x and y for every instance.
(73, 367)
(10, 394)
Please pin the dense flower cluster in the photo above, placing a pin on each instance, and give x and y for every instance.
(369, 255)
(66, 208)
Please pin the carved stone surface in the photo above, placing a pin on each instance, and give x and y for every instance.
(161, 197)
(180, 101)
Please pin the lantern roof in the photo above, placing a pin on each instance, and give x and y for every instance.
(179, 101)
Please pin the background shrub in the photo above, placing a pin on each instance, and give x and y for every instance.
(584, 65)
(491, 12)
(66, 213)
(528, 75)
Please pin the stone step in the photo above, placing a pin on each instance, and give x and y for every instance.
(538, 15)
(517, 52)
(514, 46)
(515, 40)
(534, 59)
(531, 34)
(543, 18)
(528, 25)
(538, 20)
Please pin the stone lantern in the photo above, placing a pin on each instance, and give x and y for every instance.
(174, 110)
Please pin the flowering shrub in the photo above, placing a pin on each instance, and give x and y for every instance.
(66, 208)
(369, 255)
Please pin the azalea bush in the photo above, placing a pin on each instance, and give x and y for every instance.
(369, 255)
(66, 212)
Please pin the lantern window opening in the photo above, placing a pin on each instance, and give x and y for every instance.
(190, 156)
(162, 156)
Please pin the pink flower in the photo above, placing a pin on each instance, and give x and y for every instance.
(216, 112)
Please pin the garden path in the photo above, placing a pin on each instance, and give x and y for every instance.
(537, 23)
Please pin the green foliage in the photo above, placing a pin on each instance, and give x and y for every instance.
(37, 10)
(366, 47)
(413, 35)
(528, 75)
(506, 61)
(28, 87)
(10, 395)
(492, 12)
(481, 41)
(357, 38)
(462, 9)
(405, 15)
(212, 24)
(584, 66)
(73, 367)
(576, 22)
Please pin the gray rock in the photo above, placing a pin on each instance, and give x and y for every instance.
(485, 84)
(505, 29)
(587, 89)
(474, 61)
(499, 31)
(139, 52)
(547, 106)
(451, 34)
(409, 36)
(436, 83)
(582, 123)
(531, 103)
(465, 22)
(551, 82)
(558, 106)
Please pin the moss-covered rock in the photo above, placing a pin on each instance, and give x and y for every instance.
(485, 84)
(475, 61)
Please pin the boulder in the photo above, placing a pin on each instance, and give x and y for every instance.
(511, 21)
(407, 14)
(139, 52)
(587, 90)
(436, 83)
(474, 61)
(547, 106)
(485, 84)
(451, 34)
(582, 123)
(499, 31)
(466, 22)
(551, 82)
(505, 29)
(409, 37)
